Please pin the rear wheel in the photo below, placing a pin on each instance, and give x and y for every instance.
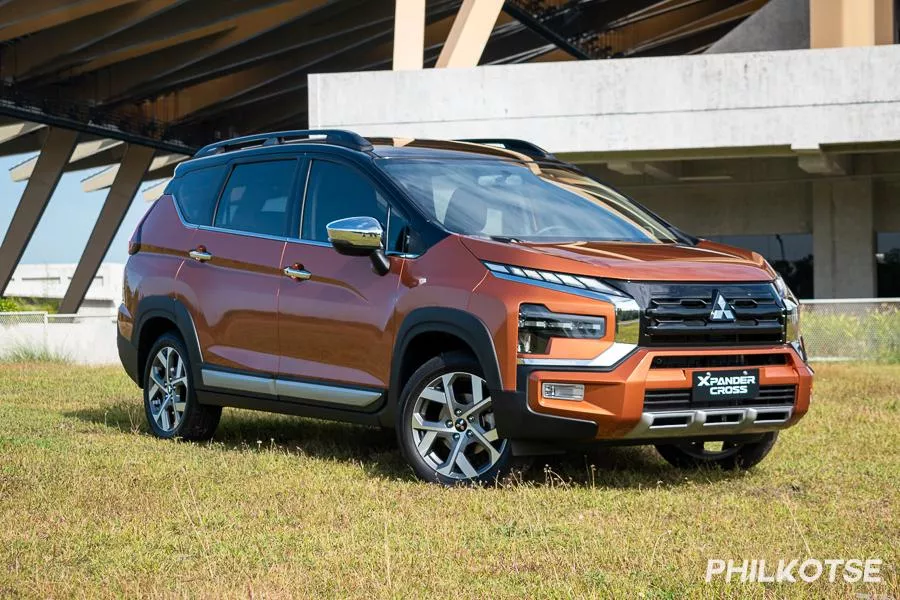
(726, 454)
(170, 400)
(446, 428)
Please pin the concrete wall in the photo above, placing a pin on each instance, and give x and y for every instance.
(88, 340)
(731, 210)
(52, 280)
(710, 102)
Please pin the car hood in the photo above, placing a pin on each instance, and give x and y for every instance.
(706, 261)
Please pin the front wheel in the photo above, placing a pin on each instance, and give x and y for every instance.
(727, 454)
(446, 428)
(170, 400)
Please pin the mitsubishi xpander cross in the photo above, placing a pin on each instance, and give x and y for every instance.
(481, 297)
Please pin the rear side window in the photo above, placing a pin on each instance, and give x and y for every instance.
(196, 192)
(335, 192)
(257, 198)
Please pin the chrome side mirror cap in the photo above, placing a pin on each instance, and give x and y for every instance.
(356, 236)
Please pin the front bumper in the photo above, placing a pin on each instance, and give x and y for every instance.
(614, 407)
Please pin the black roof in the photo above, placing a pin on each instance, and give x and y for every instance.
(348, 141)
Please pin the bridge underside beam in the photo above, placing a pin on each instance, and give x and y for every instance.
(48, 169)
(134, 165)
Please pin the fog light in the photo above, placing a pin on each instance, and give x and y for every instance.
(563, 391)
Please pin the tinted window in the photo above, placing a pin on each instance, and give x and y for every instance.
(399, 232)
(257, 197)
(336, 192)
(196, 193)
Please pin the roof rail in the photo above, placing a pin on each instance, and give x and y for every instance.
(521, 146)
(338, 137)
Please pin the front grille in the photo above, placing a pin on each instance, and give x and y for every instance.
(713, 361)
(680, 399)
(679, 315)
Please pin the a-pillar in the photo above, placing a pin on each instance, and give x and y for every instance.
(843, 239)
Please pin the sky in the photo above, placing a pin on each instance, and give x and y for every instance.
(63, 231)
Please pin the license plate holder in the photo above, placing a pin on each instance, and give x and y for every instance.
(725, 385)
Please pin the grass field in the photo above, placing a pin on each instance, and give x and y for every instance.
(91, 505)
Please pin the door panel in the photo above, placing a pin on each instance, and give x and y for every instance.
(338, 324)
(233, 299)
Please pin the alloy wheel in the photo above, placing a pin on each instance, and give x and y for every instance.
(168, 391)
(453, 428)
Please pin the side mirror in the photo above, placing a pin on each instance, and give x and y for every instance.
(360, 236)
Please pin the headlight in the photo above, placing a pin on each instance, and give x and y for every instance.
(537, 325)
(792, 333)
(628, 312)
(791, 310)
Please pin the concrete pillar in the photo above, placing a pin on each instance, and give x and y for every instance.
(840, 23)
(52, 160)
(409, 35)
(129, 176)
(843, 239)
(779, 25)
(469, 35)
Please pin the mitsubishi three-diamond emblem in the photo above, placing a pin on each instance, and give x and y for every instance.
(722, 311)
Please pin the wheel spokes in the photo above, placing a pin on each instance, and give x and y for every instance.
(180, 378)
(486, 443)
(168, 391)
(427, 442)
(477, 408)
(449, 396)
(421, 424)
(452, 426)
(465, 466)
(452, 460)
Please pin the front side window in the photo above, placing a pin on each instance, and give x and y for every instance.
(196, 192)
(336, 192)
(504, 199)
(257, 198)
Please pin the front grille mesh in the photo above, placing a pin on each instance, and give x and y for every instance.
(680, 399)
(712, 361)
(678, 316)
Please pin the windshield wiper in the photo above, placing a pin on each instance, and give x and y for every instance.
(505, 239)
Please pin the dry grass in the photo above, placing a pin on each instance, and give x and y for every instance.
(90, 504)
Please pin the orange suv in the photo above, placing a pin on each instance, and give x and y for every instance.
(481, 297)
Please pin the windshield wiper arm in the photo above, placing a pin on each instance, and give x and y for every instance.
(505, 239)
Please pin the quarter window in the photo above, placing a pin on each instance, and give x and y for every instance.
(337, 192)
(257, 197)
(196, 191)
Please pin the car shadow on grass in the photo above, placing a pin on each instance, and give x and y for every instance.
(376, 450)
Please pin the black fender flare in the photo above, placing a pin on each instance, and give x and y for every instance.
(464, 325)
(175, 311)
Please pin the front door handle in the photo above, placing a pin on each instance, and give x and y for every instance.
(200, 254)
(297, 273)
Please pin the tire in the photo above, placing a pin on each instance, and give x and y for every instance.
(450, 439)
(740, 455)
(170, 400)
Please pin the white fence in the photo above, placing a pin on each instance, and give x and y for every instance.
(851, 329)
(87, 339)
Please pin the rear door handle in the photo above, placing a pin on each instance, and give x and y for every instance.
(200, 254)
(297, 273)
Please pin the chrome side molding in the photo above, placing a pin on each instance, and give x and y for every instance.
(288, 389)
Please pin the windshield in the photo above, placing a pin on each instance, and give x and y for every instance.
(521, 201)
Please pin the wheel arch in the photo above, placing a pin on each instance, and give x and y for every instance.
(153, 314)
(460, 329)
